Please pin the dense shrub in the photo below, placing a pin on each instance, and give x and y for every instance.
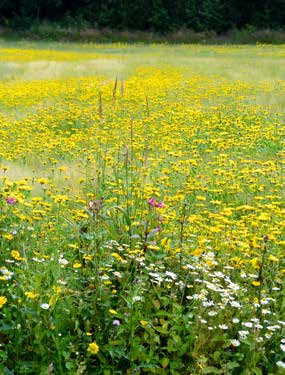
(148, 15)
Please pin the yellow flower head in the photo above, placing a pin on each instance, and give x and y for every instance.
(30, 295)
(77, 265)
(3, 300)
(16, 255)
(93, 348)
(273, 258)
(113, 312)
(143, 322)
(255, 283)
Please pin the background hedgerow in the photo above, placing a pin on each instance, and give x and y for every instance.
(141, 209)
(145, 15)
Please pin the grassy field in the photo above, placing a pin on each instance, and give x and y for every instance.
(141, 209)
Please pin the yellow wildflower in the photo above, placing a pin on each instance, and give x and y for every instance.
(93, 348)
(143, 322)
(30, 295)
(113, 312)
(77, 265)
(273, 258)
(3, 300)
(16, 255)
(255, 283)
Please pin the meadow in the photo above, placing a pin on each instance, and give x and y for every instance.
(141, 209)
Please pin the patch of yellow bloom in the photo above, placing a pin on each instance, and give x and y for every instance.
(3, 300)
(93, 348)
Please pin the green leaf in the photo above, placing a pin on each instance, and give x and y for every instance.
(3, 355)
(164, 362)
(231, 365)
(162, 330)
(257, 371)
(101, 357)
(216, 355)
(212, 370)
(177, 339)
(65, 354)
(162, 314)
(69, 365)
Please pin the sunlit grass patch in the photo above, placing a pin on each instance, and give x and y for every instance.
(31, 55)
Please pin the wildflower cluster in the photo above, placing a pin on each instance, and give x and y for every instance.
(141, 220)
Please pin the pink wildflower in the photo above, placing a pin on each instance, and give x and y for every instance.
(157, 229)
(11, 201)
(160, 204)
(151, 202)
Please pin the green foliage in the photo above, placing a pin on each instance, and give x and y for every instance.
(148, 15)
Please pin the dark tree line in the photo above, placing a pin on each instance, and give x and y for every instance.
(155, 15)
